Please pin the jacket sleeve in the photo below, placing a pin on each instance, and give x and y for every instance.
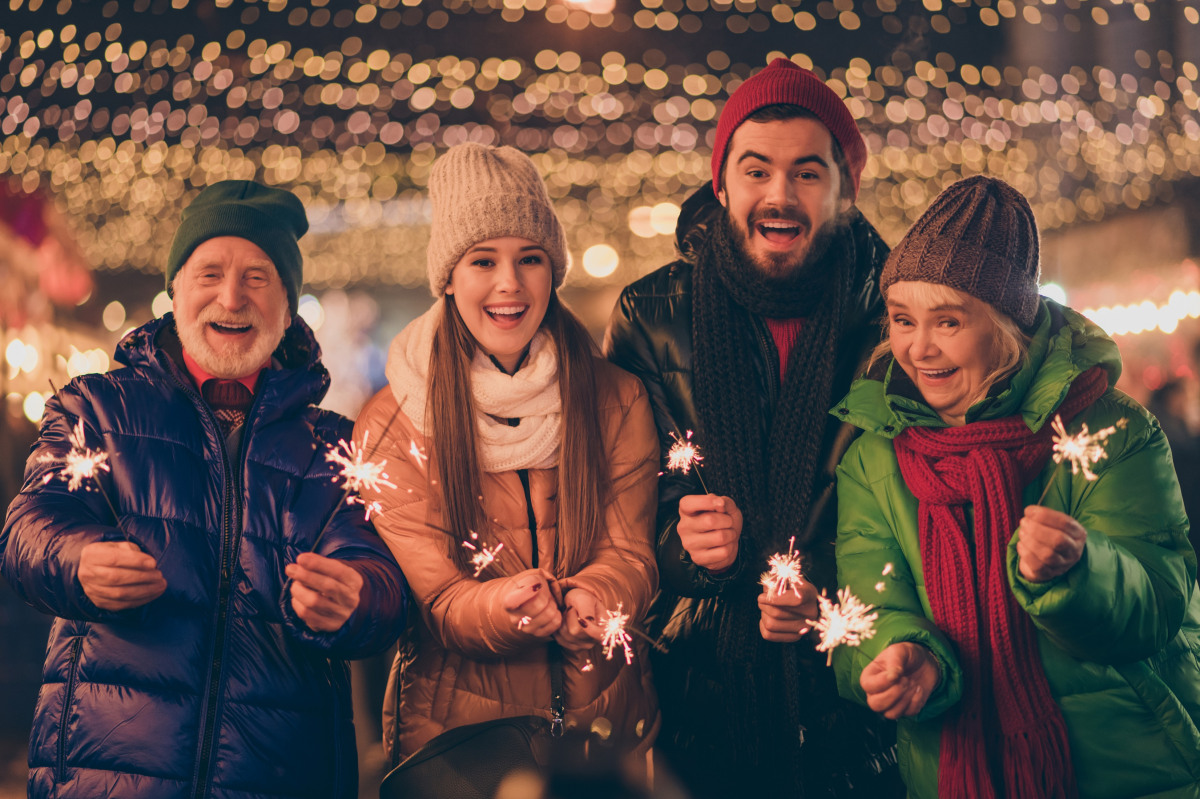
(380, 616)
(622, 570)
(48, 523)
(867, 547)
(465, 614)
(1126, 597)
(627, 343)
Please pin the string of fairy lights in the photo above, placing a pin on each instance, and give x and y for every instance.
(122, 128)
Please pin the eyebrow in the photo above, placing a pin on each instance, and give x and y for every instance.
(947, 307)
(807, 159)
(526, 248)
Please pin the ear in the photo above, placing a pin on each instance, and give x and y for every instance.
(845, 203)
(721, 197)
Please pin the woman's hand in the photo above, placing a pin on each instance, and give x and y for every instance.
(785, 617)
(531, 605)
(1049, 543)
(116, 575)
(325, 592)
(899, 681)
(581, 621)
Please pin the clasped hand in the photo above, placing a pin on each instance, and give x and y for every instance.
(786, 617)
(709, 528)
(325, 592)
(538, 605)
(116, 575)
(1049, 543)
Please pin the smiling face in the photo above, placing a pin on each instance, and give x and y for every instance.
(946, 342)
(502, 288)
(231, 308)
(781, 187)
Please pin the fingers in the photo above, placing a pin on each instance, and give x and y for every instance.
(116, 575)
(900, 680)
(1049, 543)
(695, 504)
(576, 631)
(784, 622)
(531, 605)
(325, 592)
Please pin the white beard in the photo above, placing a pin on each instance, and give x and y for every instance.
(232, 361)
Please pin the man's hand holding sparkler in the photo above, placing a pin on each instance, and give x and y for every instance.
(1049, 543)
(325, 592)
(899, 681)
(709, 528)
(787, 616)
(581, 628)
(116, 575)
(531, 605)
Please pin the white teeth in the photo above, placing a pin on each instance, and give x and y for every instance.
(779, 225)
(939, 372)
(507, 310)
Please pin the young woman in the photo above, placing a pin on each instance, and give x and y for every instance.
(1038, 627)
(506, 434)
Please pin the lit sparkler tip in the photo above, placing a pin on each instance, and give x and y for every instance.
(683, 454)
(614, 634)
(358, 473)
(79, 464)
(847, 622)
(1083, 449)
(523, 621)
(784, 571)
(418, 455)
(484, 555)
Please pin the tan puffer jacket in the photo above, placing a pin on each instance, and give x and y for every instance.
(471, 664)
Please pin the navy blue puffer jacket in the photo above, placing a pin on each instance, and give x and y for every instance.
(216, 688)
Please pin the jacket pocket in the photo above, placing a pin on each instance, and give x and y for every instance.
(68, 697)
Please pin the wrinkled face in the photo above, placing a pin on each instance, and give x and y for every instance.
(502, 289)
(947, 348)
(231, 308)
(781, 187)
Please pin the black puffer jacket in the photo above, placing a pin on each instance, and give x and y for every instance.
(650, 335)
(215, 688)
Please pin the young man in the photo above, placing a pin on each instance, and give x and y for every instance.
(208, 581)
(748, 340)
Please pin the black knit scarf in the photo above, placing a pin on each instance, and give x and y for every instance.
(769, 471)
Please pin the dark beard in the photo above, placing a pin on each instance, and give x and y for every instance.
(785, 266)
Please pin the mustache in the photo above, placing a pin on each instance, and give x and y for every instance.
(789, 213)
(249, 316)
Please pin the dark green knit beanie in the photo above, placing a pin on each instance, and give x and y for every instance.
(272, 218)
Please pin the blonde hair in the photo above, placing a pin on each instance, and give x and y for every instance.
(1008, 340)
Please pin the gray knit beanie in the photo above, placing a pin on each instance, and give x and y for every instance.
(978, 237)
(480, 193)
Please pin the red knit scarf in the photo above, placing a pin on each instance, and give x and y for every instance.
(1008, 729)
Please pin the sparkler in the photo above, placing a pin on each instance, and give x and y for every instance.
(417, 454)
(1082, 450)
(683, 455)
(784, 572)
(80, 467)
(615, 634)
(484, 555)
(847, 622)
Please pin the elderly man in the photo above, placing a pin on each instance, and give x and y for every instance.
(747, 340)
(207, 579)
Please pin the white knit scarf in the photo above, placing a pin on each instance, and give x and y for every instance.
(530, 395)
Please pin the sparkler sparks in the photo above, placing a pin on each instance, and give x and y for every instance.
(357, 472)
(784, 572)
(79, 464)
(683, 455)
(847, 622)
(1083, 450)
(615, 634)
(484, 555)
(418, 455)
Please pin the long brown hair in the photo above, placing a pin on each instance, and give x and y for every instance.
(583, 484)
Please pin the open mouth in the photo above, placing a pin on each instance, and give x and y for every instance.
(938, 374)
(230, 330)
(779, 231)
(507, 314)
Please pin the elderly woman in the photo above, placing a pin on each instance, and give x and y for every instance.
(1039, 626)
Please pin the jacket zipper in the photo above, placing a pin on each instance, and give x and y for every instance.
(229, 503)
(557, 712)
(76, 646)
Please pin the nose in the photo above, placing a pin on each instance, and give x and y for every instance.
(231, 295)
(781, 191)
(922, 345)
(508, 279)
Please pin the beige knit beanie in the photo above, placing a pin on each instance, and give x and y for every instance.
(978, 237)
(480, 193)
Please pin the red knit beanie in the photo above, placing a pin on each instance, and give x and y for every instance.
(782, 82)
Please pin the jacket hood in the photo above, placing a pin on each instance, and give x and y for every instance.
(1064, 345)
(702, 209)
(301, 379)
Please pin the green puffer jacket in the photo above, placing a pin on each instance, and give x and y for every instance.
(1119, 633)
